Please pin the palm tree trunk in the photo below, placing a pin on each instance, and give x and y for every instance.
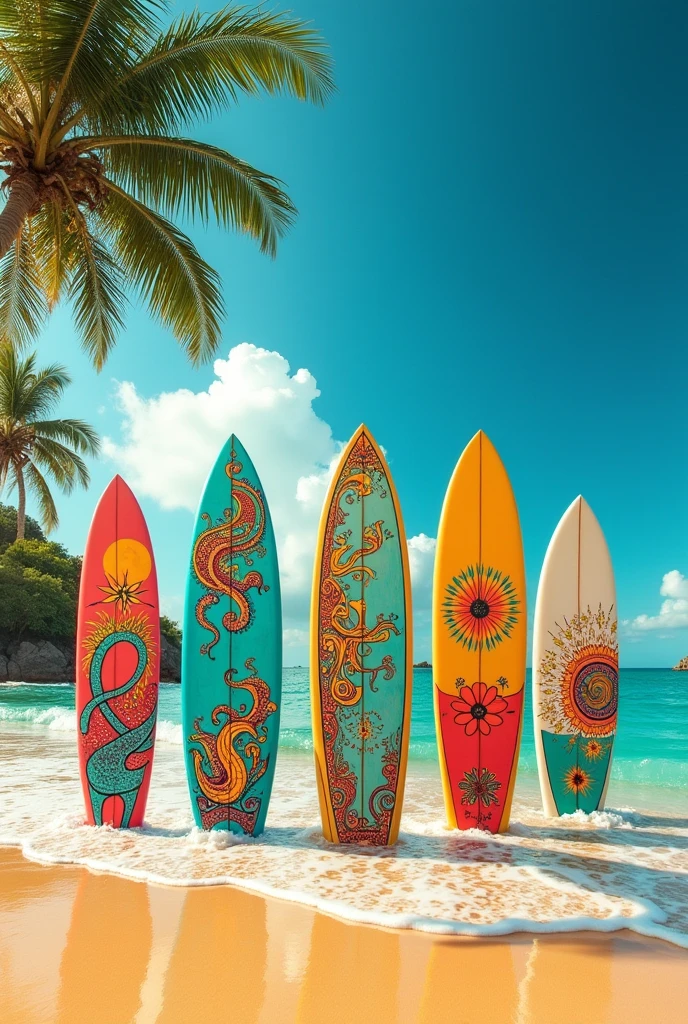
(21, 503)
(22, 197)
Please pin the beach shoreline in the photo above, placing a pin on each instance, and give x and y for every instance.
(624, 867)
(180, 950)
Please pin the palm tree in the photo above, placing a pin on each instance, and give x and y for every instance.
(95, 97)
(32, 445)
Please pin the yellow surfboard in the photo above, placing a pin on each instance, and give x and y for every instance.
(479, 640)
(361, 651)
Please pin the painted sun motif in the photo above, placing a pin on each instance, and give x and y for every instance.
(577, 780)
(127, 564)
(480, 607)
(480, 786)
(362, 730)
(594, 750)
(122, 593)
(580, 675)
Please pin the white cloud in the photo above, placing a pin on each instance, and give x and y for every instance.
(295, 637)
(170, 441)
(673, 613)
(421, 549)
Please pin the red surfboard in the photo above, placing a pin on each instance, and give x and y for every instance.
(117, 661)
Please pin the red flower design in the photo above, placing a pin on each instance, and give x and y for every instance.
(478, 707)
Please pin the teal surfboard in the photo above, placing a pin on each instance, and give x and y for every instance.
(232, 650)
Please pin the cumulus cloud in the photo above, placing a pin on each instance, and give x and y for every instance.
(673, 613)
(170, 441)
(421, 549)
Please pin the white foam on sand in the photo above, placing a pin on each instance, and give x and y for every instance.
(614, 869)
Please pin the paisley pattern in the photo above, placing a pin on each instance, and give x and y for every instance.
(238, 534)
(228, 763)
(359, 654)
(231, 671)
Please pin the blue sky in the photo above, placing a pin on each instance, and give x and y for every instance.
(493, 233)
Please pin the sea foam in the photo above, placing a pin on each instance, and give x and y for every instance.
(620, 868)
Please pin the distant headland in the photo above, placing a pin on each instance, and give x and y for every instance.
(682, 665)
(39, 588)
(422, 664)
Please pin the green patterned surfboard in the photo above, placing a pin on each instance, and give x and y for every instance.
(361, 648)
(232, 650)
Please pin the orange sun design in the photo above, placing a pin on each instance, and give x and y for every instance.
(593, 750)
(578, 781)
(480, 607)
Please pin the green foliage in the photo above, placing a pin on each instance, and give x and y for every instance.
(33, 446)
(33, 602)
(170, 630)
(39, 588)
(48, 559)
(8, 528)
(95, 102)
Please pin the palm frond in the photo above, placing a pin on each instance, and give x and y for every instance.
(23, 307)
(192, 178)
(162, 263)
(202, 62)
(44, 499)
(16, 376)
(54, 248)
(96, 290)
(82, 45)
(27, 393)
(65, 466)
(43, 392)
(78, 434)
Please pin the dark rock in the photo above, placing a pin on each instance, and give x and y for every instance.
(682, 665)
(40, 661)
(423, 664)
(170, 661)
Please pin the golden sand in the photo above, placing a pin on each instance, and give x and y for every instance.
(78, 947)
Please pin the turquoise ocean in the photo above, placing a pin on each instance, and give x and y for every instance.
(624, 867)
(651, 747)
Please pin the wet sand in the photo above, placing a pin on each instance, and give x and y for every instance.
(82, 947)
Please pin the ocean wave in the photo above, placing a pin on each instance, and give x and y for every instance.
(621, 868)
(13, 682)
(64, 720)
(59, 719)
(168, 732)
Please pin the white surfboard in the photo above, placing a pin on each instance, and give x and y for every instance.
(575, 666)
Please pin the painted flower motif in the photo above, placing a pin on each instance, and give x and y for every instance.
(593, 750)
(366, 729)
(578, 781)
(480, 786)
(480, 607)
(361, 731)
(478, 708)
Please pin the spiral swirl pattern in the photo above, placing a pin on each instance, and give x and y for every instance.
(593, 693)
